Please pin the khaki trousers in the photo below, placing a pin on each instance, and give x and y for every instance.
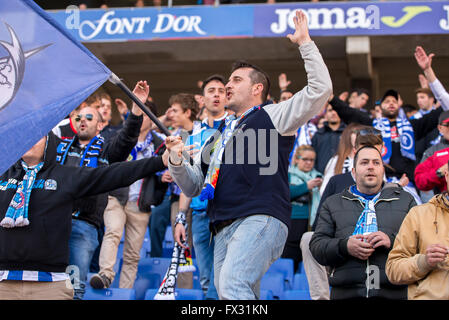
(116, 219)
(316, 273)
(33, 290)
(185, 279)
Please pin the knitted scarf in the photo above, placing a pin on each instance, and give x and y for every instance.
(90, 154)
(167, 288)
(181, 262)
(231, 123)
(17, 213)
(298, 177)
(146, 147)
(367, 222)
(303, 136)
(406, 135)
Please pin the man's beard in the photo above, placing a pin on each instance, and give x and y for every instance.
(387, 114)
(84, 135)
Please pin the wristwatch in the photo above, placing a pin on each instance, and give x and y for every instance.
(440, 174)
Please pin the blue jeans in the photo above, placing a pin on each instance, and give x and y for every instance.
(159, 220)
(82, 244)
(204, 253)
(243, 253)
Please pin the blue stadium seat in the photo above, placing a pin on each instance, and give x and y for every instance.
(300, 282)
(167, 252)
(301, 268)
(189, 294)
(169, 242)
(296, 295)
(157, 266)
(109, 294)
(146, 245)
(284, 266)
(149, 294)
(196, 281)
(154, 265)
(266, 295)
(273, 281)
(180, 294)
(168, 238)
(145, 281)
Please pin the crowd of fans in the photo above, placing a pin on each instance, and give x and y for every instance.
(321, 165)
(365, 205)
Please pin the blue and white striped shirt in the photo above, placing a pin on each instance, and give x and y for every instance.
(39, 276)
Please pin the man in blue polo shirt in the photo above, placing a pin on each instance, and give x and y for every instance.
(214, 98)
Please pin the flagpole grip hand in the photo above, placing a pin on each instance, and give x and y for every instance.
(141, 91)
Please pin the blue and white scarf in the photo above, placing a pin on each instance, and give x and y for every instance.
(146, 147)
(367, 222)
(421, 113)
(17, 213)
(406, 135)
(303, 136)
(90, 156)
(231, 123)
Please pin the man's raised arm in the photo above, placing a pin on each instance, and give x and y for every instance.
(425, 63)
(289, 115)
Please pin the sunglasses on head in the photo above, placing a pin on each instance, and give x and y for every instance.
(367, 132)
(88, 116)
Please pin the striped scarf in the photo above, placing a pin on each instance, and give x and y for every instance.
(303, 136)
(367, 222)
(231, 124)
(17, 213)
(181, 262)
(90, 154)
(406, 135)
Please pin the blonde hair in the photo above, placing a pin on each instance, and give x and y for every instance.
(303, 148)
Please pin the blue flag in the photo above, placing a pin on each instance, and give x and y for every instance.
(44, 74)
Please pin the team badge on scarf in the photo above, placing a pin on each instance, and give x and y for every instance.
(406, 135)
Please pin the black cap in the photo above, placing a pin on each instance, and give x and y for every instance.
(444, 117)
(390, 93)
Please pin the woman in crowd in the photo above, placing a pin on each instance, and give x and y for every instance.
(304, 183)
(342, 162)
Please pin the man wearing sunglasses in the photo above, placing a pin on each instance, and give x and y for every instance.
(89, 149)
(65, 129)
